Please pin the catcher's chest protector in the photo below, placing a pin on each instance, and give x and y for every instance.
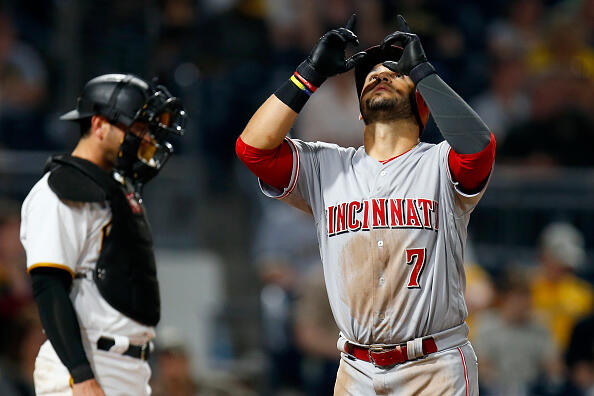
(125, 272)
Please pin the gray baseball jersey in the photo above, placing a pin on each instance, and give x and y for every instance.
(391, 237)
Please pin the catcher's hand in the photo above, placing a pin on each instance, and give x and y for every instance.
(413, 54)
(328, 56)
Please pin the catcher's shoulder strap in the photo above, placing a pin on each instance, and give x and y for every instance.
(76, 179)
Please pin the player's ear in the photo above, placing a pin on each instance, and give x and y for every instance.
(360, 117)
(99, 126)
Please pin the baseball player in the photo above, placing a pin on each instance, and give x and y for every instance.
(89, 245)
(391, 216)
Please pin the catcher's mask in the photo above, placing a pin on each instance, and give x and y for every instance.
(148, 114)
(375, 55)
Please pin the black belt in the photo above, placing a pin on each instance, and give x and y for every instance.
(141, 352)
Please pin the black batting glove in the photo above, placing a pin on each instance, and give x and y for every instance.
(328, 56)
(413, 61)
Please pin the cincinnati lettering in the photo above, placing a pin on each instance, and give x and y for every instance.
(380, 213)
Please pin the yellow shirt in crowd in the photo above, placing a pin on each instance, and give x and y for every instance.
(561, 303)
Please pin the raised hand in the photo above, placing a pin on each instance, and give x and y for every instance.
(413, 54)
(328, 56)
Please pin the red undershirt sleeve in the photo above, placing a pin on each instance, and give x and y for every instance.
(471, 171)
(273, 167)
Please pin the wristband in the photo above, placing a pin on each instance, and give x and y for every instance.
(421, 71)
(309, 85)
(81, 373)
(308, 73)
(295, 92)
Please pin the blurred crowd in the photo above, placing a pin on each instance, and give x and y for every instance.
(526, 66)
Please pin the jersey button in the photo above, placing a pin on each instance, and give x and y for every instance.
(382, 280)
(383, 173)
(380, 243)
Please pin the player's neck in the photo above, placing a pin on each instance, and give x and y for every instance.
(385, 140)
(86, 149)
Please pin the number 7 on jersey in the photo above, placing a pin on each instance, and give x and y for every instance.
(416, 258)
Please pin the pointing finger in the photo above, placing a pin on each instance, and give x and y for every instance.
(398, 38)
(402, 25)
(351, 23)
(353, 60)
(348, 36)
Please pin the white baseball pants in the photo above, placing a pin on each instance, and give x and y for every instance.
(118, 375)
(450, 372)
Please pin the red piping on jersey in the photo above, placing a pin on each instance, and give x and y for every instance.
(296, 173)
(384, 162)
(274, 167)
(465, 372)
(471, 171)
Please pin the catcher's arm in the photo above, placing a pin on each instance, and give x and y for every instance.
(50, 289)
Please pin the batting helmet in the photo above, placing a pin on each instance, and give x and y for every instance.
(125, 99)
(376, 55)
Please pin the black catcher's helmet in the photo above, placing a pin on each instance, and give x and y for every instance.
(125, 99)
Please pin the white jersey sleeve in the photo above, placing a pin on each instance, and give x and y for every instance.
(305, 188)
(464, 203)
(54, 233)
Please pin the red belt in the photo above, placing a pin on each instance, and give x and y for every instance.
(387, 356)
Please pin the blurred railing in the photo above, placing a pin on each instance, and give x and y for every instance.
(171, 198)
(518, 204)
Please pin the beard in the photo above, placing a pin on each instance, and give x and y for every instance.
(381, 109)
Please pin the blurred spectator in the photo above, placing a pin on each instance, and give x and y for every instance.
(565, 49)
(23, 336)
(316, 334)
(285, 250)
(20, 333)
(371, 25)
(479, 294)
(560, 298)
(234, 50)
(580, 355)
(513, 348)
(586, 14)
(333, 114)
(176, 44)
(22, 91)
(563, 139)
(519, 32)
(561, 79)
(172, 367)
(15, 287)
(505, 103)
(562, 68)
(175, 62)
(124, 47)
(173, 372)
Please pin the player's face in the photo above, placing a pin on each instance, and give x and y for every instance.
(115, 137)
(112, 141)
(386, 95)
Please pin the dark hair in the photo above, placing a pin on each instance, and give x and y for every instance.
(85, 126)
(513, 280)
